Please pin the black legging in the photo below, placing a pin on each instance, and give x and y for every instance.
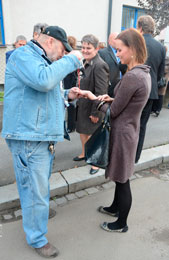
(122, 202)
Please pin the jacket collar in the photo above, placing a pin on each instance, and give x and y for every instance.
(44, 54)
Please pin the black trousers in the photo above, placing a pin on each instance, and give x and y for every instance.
(71, 120)
(143, 122)
(158, 104)
(122, 202)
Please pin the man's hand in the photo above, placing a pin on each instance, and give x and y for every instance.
(94, 119)
(74, 93)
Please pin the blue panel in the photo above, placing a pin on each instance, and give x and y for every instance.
(130, 16)
(2, 36)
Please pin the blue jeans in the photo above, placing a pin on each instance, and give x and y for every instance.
(33, 164)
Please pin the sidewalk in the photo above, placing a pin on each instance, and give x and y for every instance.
(76, 179)
(76, 232)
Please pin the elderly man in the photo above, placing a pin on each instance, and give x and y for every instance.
(33, 122)
(108, 54)
(20, 41)
(37, 29)
(156, 60)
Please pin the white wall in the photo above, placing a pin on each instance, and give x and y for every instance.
(77, 17)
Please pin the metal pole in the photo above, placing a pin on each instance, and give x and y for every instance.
(109, 18)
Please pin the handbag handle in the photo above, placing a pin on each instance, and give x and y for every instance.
(106, 121)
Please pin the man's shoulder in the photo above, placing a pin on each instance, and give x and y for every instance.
(152, 41)
(9, 52)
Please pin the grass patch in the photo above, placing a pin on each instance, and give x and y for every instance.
(1, 96)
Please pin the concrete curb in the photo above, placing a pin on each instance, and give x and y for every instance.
(73, 180)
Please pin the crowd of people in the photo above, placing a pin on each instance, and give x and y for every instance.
(48, 74)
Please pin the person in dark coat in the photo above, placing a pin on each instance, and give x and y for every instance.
(20, 41)
(108, 54)
(131, 95)
(158, 103)
(156, 60)
(96, 79)
(70, 81)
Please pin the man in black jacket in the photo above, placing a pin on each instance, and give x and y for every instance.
(156, 60)
(108, 54)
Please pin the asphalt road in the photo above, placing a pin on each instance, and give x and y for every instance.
(157, 134)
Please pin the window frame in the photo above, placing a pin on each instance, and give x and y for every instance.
(2, 25)
(136, 10)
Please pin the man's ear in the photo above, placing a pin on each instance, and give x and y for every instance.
(140, 30)
(50, 42)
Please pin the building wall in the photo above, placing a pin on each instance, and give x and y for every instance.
(77, 17)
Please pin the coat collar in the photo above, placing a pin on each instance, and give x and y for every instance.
(112, 53)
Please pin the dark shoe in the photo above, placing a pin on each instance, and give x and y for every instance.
(52, 213)
(157, 113)
(121, 230)
(78, 159)
(101, 210)
(70, 130)
(47, 251)
(93, 171)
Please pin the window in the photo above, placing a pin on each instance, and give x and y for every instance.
(130, 16)
(2, 36)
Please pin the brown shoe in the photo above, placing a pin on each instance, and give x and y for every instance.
(47, 251)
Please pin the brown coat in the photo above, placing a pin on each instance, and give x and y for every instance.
(131, 94)
(96, 80)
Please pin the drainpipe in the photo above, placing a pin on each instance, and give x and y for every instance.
(109, 18)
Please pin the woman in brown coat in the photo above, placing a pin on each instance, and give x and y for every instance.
(131, 94)
(96, 79)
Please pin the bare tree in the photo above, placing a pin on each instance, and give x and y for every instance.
(159, 10)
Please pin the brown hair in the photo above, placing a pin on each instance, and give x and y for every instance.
(102, 45)
(146, 22)
(134, 40)
(72, 41)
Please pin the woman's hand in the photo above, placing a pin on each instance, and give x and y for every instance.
(105, 97)
(94, 119)
(83, 93)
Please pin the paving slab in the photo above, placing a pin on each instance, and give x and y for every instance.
(79, 178)
(9, 196)
(58, 185)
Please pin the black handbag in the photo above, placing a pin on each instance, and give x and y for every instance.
(162, 82)
(97, 147)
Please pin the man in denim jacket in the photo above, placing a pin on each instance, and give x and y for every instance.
(33, 120)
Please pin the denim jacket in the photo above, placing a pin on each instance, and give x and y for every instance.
(33, 100)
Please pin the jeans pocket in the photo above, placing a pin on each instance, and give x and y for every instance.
(23, 173)
(32, 146)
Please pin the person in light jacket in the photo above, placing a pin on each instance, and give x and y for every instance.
(33, 121)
